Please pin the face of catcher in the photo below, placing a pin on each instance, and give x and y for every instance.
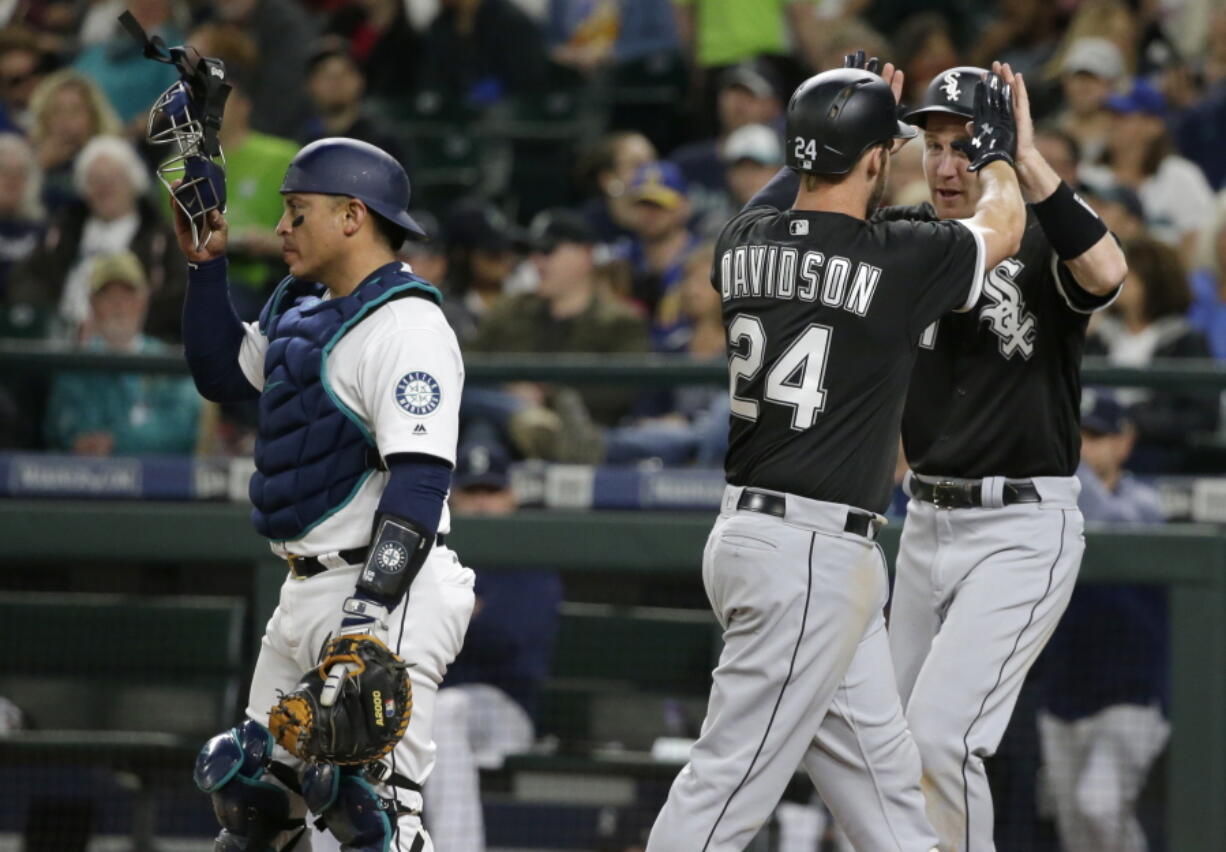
(955, 191)
(313, 231)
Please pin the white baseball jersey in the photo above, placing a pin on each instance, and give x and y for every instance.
(400, 371)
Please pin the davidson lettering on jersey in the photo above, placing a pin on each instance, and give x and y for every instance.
(782, 272)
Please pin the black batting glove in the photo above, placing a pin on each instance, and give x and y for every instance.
(994, 132)
(857, 60)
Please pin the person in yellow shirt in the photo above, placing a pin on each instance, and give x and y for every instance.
(255, 164)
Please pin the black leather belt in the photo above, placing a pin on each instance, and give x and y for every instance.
(308, 566)
(858, 522)
(945, 494)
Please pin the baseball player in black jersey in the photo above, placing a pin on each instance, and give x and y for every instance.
(824, 311)
(993, 537)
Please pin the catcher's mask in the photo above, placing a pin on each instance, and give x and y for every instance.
(187, 118)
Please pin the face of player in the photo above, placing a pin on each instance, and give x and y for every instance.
(311, 235)
(562, 269)
(955, 191)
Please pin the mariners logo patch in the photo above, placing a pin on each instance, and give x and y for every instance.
(391, 556)
(418, 393)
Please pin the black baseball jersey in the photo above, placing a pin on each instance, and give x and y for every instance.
(823, 314)
(996, 391)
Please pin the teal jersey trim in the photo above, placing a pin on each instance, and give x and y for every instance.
(275, 301)
(346, 410)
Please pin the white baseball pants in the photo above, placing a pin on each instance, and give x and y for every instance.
(804, 679)
(1094, 770)
(977, 594)
(427, 632)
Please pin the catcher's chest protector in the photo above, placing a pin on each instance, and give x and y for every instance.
(311, 452)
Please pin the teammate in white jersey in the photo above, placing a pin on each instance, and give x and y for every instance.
(358, 379)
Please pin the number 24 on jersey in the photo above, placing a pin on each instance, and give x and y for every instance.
(795, 379)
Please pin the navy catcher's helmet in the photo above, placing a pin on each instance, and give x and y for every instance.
(951, 91)
(349, 167)
(835, 116)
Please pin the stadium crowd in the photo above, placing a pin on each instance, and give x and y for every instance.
(572, 160)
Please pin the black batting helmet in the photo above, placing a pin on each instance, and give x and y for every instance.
(950, 91)
(835, 116)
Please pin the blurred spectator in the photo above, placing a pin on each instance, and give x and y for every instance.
(336, 84)
(586, 34)
(582, 35)
(488, 700)
(693, 427)
(479, 51)
(718, 34)
(1208, 311)
(1024, 33)
(1201, 125)
(1147, 321)
(119, 67)
(1062, 152)
(255, 166)
(1178, 201)
(1103, 721)
(102, 414)
(51, 288)
(752, 155)
(569, 312)
(22, 67)
(925, 47)
(657, 255)
(283, 36)
(1089, 75)
(381, 42)
(480, 259)
(21, 209)
(608, 168)
(746, 96)
(67, 109)
(427, 255)
(1120, 208)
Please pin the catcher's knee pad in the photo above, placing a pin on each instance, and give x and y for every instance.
(347, 805)
(233, 769)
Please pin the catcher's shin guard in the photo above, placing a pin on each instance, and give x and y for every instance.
(348, 806)
(233, 768)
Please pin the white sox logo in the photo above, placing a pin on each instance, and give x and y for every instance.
(950, 86)
(1007, 315)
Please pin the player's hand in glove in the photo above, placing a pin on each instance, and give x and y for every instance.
(857, 60)
(362, 616)
(368, 711)
(888, 72)
(994, 128)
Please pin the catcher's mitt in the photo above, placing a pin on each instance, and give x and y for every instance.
(371, 710)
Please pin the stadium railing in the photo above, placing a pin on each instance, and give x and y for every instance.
(1189, 560)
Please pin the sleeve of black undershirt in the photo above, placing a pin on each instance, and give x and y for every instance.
(213, 335)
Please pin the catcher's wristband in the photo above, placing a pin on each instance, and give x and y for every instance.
(1069, 224)
(399, 549)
